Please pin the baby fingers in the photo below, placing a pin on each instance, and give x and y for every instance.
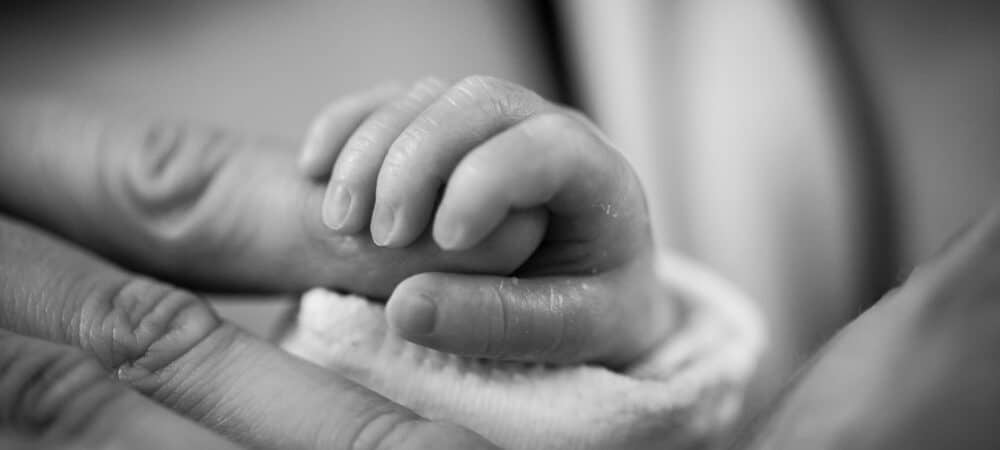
(422, 158)
(350, 193)
(330, 129)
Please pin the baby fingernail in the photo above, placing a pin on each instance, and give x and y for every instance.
(382, 224)
(336, 208)
(450, 236)
(415, 316)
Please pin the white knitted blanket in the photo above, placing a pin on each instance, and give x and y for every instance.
(678, 396)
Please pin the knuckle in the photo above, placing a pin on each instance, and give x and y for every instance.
(382, 430)
(551, 125)
(359, 160)
(563, 134)
(402, 153)
(168, 176)
(477, 83)
(426, 87)
(497, 341)
(361, 144)
(46, 386)
(471, 90)
(497, 97)
(369, 140)
(138, 327)
(559, 343)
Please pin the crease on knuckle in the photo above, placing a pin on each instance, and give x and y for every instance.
(359, 147)
(167, 177)
(558, 313)
(498, 98)
(469, 91)
(403, 150)
(421, 90)
(500, 330)
(52, 388)
(139, 327)
(383, 429)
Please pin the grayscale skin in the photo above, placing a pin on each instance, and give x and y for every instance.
(679, 396)
(919, 370)
(453, 161)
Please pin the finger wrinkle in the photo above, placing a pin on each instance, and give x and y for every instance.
(164, 177)
(377, 429)
(425, 88)
(404, 147)
(498, 325)
(467, 94)
(556, 306)
(137, 327)
(48, 387)
(358, 146)
(174, 165)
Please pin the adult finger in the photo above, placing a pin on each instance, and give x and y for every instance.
(420, 161)
(55, 396)
(350, 194)
(612, 317)
(918, 370)
(329, 131)
(206, 208)
(169, 345)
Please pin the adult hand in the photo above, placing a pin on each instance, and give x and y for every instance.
(919, 370)
(205, 208)
(80, 340)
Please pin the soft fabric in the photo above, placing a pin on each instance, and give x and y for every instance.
(679, 396)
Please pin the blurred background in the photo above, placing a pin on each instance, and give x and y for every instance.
(811, 151)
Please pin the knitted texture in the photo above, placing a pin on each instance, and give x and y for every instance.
(680, 395)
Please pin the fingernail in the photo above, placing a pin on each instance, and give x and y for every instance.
(417, 315)
(382, 224)
(450, 236)
(337, 206)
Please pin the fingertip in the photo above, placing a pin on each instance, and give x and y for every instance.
(453, 228)
(337, 206)
(468, 212)
(383, 225)
(451, 234)
(310, 160)
(412, 314)
(520, 232)
(346, 208)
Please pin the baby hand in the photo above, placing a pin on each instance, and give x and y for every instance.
(496, 149)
